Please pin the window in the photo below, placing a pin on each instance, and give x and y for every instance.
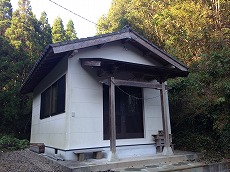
(128, 112)
(53, 99)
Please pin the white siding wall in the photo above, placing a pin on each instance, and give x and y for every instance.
(118, 51)
(152, 112)
(86, 123)
(81, 126)
(86, 108)
(52, 130)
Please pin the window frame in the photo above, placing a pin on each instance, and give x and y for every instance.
(53, 99)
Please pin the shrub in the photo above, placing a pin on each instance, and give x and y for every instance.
(199, 105)
(9, 142)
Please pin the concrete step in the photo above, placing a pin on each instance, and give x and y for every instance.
(180, 167)
(104, 165)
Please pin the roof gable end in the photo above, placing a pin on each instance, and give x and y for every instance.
(53, 53)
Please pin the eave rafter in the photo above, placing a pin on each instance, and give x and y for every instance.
(107, 66)
(119, 82)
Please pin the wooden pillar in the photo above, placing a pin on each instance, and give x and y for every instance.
(167, 149)
(112, 121)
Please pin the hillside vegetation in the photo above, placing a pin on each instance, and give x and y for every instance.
(197, 33)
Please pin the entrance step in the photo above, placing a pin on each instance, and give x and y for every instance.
(180, 167)
(122, 164)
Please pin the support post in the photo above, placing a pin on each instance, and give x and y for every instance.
(112, 121)
(167, 149)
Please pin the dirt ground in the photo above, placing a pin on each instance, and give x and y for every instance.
(26, 160)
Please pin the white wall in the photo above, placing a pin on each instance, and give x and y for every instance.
(86, 122)
(50, 131)
(86, 108)
(118, 51)
(81, 126)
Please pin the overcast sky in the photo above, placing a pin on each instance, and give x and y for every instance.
(90, 9)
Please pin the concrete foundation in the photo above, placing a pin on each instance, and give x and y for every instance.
(121, 152)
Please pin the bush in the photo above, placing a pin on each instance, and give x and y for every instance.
(193, 142)
(9, 142)
(199, 105)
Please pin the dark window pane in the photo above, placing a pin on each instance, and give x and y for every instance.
(61, 95)
(45, 103)
(53, 99)
(129, 112)
(133, 124)
(106, 128)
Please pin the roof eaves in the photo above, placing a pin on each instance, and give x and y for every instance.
(44, 53)
(88, 38)
(159, 49)
(90, 41)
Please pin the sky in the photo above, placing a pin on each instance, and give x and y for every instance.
(90, 9)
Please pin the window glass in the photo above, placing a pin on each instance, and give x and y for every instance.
(128, 112)
(53, 99)
(61, 95)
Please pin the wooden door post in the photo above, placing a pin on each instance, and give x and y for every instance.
(167, 149)
(112, 121)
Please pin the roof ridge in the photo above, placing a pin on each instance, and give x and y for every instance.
(91, 37)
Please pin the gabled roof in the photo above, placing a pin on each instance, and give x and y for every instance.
(53, 53)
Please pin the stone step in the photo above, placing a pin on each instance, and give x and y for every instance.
(180, 167)
(104, 165)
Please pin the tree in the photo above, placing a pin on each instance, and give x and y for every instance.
(5, 15)
(45, 30)
(23, 31)
(15, 109)
(183, 28)
(58, 31)
(70, 31)
(200, 111)
(116, 17)
(18, 54)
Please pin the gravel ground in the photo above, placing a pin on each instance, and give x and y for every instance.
(26, 160)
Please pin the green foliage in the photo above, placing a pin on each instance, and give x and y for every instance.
(58, 31)
(45, 30)
(115, 19)
(194, 142)
(70, 31)
(19, 49)
(5, 15)
(23, 33)
(185, 29)
(200, 104)
(15, 109)
(182, 28)
(22, 39)
(9, 143)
